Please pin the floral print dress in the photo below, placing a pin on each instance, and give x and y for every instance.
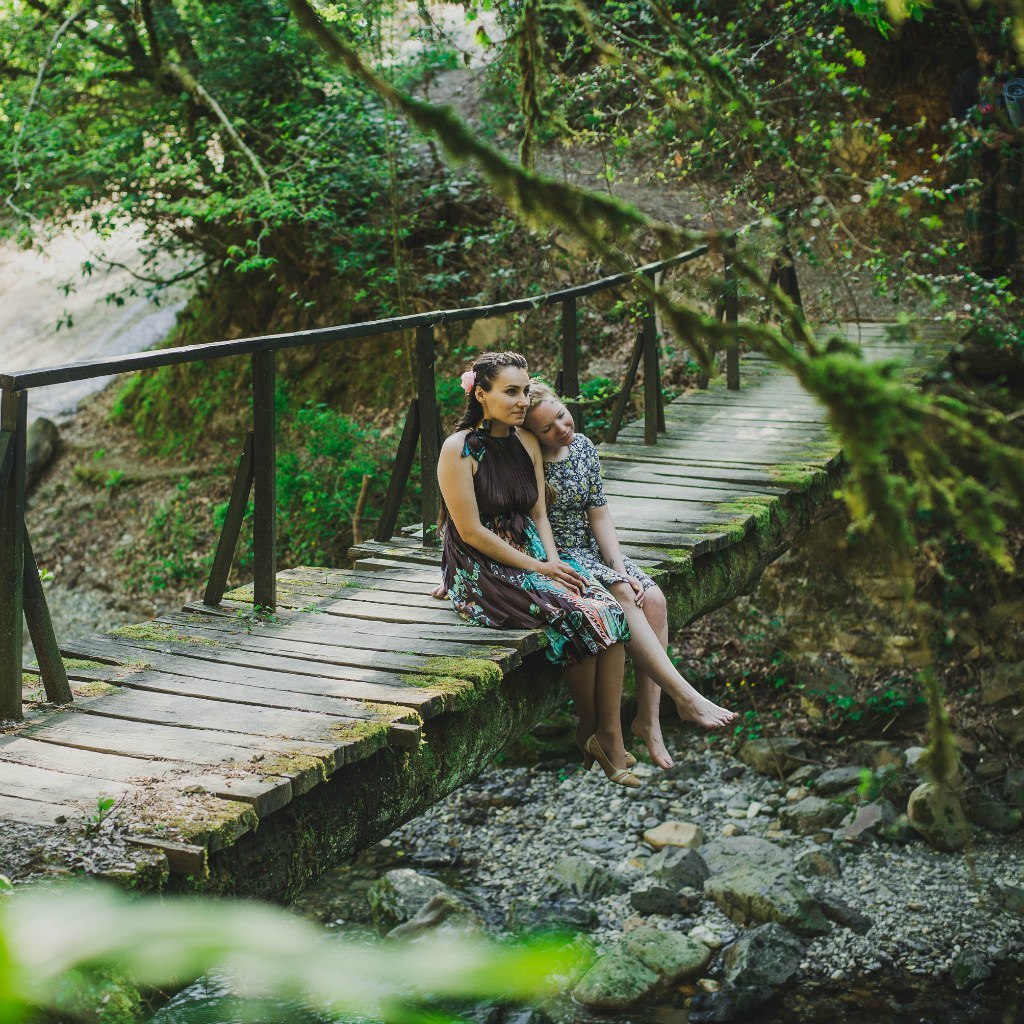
(576, 481)
(490, 593)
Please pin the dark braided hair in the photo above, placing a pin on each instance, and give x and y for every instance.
(487, 366)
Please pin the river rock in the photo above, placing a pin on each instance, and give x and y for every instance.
(528, 915)
(938, 817)
(989, 812)
(674, 957)
(1004, 685)
(876, 753)
(586, 878)
(445, 915)
(811, 815)
(1013, 787)
(1010, 725)
(675, 833)
(771, 756)
(654, 898)
(727, 1003)
(819, 862)
(615, 982)
(41, 444)
(399, 895)
(837, 780)
(842, 913)
(725, 854)
(970, 968)
(768, 955)
(914, 758)
(876, 820)
(753, 882)
(679, 868)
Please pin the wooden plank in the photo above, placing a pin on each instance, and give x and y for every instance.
(265, 792)
(182, 858)
(303, 764)
(48, 786)
(343, 681)
(314, 593)
(90, 731)
(525, 641)
(34, 812)
(193, 712)
(679, 492)
(330, 631)
(243, 693)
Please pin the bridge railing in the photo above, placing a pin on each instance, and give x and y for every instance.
(22, 599)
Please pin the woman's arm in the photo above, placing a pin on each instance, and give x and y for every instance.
(539, 512)
(603, 529)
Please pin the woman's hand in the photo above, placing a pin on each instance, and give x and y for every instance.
(638, 590)
(564, 574)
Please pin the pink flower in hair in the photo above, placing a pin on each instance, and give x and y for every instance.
(468, 381)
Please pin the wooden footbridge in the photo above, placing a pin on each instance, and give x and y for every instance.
(253, 739)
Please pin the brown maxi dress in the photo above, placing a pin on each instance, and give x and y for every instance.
(490, 593)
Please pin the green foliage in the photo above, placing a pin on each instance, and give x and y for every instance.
(119, 946)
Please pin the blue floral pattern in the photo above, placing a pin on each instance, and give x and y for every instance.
(576, 481)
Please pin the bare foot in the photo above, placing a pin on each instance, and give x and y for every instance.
(705, 713)
(651, 735)
(440, 592)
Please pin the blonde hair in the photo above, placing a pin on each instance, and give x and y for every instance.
(540, 391)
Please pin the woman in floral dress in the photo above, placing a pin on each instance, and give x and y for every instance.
(500, 566)
(585, 536)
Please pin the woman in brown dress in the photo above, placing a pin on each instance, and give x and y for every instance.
(500, 566)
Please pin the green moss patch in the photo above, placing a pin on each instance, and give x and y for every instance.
(161, 632)
(95, 688)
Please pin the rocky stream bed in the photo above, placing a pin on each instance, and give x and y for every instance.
(717, 892)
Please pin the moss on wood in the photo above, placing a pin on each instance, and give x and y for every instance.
(161, 632)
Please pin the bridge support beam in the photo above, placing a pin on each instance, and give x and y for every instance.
(13, 431)
(264, 522)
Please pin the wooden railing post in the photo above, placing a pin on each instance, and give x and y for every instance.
(732, 352)
(399, 473)
(429, 450)
(40, 629)
(570, 375)
(13, 422)
(652, 381)
(264, 450)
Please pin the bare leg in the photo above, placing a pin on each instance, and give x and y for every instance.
(651, 658)
(647, 724)
(581, 679)
(611, 664)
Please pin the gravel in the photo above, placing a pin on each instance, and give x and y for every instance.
(925, 907)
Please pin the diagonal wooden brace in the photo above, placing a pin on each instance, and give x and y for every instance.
(232, 527)
(40, 629)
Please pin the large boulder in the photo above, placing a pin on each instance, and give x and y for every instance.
(673, 956)
(562, 915)
(811, 815)
(753, 882)
(444, 916)
(675, 833)
(838, 780)
(679, 868)
(41, 444)
(772, 756)
(937, 815)
(766, 955)
(616, 981)
(399, 895)
(654, 898)
(586, 878)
